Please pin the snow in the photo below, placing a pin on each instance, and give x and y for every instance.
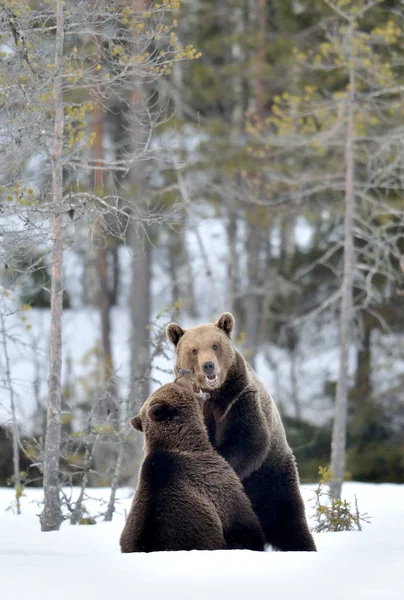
(84, 562)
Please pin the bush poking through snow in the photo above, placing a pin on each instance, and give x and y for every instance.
(334, 514)
(19, 489)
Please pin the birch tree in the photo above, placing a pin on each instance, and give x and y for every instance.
(58, 53)
(338, 444)
(51, 517)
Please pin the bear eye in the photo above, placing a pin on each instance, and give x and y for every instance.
(195, 351)
(214, 347)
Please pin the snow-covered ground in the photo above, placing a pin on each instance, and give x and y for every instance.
(84, 562)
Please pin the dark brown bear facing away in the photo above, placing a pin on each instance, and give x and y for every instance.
(188, 497)
(245, 427)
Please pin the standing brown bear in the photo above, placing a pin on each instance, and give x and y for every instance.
(245, 427)
(188, 497)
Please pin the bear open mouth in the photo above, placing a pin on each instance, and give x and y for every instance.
(212, 380)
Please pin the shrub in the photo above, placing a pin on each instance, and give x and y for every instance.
(334, 514)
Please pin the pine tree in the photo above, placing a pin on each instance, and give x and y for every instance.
(319, 143)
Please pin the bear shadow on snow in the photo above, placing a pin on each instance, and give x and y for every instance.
(188, 497)
(245, 427)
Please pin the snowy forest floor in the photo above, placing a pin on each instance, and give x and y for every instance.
(84, 562)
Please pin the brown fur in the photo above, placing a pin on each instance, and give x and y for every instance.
(245, 427)
(188, 497)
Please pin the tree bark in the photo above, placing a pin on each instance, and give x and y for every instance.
(261, 88)
(140, 313)
(253, 242)
(363, 411)
(180, 269)
(116, 276)
(105, 306)
(287, 241)
(363, 380)
(239, 19)
(338, 443)
(254, 227)
(186, 198)
(104, 299)
(232, 261)
(51, 517)
(102, 261)
(141, 259)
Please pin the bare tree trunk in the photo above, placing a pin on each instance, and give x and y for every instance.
(338, 442)
(363, 411)
(187, 275)
(186, 198)
(102, 266)
(178, 82)
(232, 260)
(238, 57)
(15, 432)
(238, 18)
(295, 383)
(140, 334)
(91, 283)
(105, 306)
(102, 261)
(180, 269)
(115, 480)
(261, 88)
(287, 226)
(51, 517)
(140, 312)
(141, 261)
(173, 266)
(363, 379)
(180, 266)
(116, 276)
(251, 303)
(254, 227)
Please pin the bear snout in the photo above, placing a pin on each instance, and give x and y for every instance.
(208, 367)
(210, 373)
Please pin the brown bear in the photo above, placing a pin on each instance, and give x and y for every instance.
(245, 427)
(188, 497)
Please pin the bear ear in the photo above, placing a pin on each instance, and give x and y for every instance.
(174, 332)
(226, 323)
(162, 412)
(136, 423)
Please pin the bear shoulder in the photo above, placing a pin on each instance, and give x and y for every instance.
(160, 469)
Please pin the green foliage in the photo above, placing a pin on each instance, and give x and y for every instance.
(334, 514)
(87, 521)
(377, 462)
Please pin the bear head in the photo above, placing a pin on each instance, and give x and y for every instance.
(172, 417)
(205, 350)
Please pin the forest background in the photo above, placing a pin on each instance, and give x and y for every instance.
(238, 155)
